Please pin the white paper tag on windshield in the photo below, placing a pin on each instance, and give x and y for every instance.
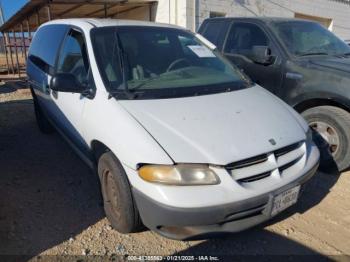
(201, 51)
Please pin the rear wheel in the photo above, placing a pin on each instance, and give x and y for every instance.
(332, 136)
(119, 204)
(42, 121)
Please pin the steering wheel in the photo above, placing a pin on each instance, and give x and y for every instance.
(177, 61)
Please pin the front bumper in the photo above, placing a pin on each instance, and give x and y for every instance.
(196, 223)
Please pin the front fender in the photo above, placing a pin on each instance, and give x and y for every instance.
(319, 98)
(305, 82)
(106, 121)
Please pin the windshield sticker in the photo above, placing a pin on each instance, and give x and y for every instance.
(206, 42)
(201, 51)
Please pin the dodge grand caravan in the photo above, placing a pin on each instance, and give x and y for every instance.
(304, 64)
(182, 142)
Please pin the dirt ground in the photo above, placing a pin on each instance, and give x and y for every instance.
(50, 204)
(3, 62)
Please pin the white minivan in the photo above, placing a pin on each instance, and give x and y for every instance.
(183, 142)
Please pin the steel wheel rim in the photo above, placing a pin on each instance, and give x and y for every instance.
(111, 192)
(327, 137)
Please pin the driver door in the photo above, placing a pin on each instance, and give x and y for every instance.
(72, 59)
(238, 48)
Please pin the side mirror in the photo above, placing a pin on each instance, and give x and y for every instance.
(66, 82)
(262, 55)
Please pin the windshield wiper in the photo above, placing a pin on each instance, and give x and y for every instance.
(314, 53)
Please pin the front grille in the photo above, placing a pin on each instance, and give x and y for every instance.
(263, 166)
(288, 165)
(287, 149)
(248, 162)
(254, 178)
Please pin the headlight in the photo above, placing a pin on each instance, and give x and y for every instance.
(180, 175)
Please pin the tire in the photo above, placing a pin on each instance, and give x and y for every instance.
(119, 205)
(332, 136)
(43, 123)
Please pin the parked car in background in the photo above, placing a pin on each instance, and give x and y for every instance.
(182, 141)
(302, 63)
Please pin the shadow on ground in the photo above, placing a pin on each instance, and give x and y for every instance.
(254, 245)
(48, 195)
(12, 86)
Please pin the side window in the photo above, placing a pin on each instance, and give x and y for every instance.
(44, 48)
(243, 37)
(73, 58)
(215, 32)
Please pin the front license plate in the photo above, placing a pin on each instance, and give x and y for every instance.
(285, 200)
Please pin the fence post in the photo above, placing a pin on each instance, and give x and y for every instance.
(5, 50)
(8, 40)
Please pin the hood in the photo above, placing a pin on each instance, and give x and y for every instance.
(337, 63)
(218, 129)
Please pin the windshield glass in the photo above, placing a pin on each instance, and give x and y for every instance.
(161, 62)
(308, 38)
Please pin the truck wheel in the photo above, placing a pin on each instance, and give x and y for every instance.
(43, 123)
(332, 136)
(119, 204)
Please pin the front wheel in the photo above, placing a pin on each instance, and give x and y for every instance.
(332, 136)
(119, 204)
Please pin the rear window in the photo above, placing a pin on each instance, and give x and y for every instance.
(44, 48)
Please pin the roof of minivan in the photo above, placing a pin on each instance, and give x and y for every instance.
(110, 22)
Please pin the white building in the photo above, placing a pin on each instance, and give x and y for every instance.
(334, 14)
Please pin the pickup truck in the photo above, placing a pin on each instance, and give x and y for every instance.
(301, 62)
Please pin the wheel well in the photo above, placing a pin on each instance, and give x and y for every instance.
(301, 107)
(98, 149)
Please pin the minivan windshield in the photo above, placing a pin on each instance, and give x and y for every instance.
(157, 62)
(304, 38)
